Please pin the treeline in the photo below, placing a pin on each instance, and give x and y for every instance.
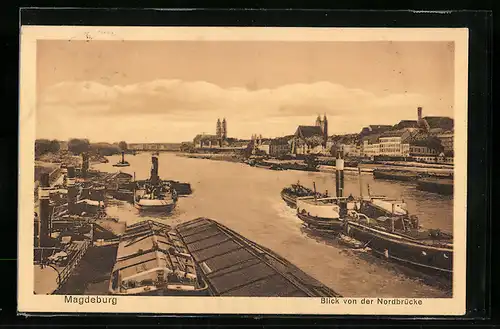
(78, 146)
(43, 146)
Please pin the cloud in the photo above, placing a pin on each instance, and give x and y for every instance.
(198, 98)
(175, 110)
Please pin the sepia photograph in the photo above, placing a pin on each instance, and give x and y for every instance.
(171, 170)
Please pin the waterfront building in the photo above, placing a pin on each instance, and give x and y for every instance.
(280, 146)
(395, 143)
(370, 146)
(446, 139)
(349, 145)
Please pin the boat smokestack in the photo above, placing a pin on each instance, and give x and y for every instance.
(85, 164)
(72, 192)
(360, 183)
(44, 225)
(123, 156)
(154, 170)
(339, 175)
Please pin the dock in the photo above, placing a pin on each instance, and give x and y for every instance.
(236, 266)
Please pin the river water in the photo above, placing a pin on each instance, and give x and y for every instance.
(247, 200)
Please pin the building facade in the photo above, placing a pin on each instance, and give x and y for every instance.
(395, 143)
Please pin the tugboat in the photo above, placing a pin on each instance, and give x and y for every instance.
(387, 228)
(402, 239)
(290, 194)
(122, 163)
(327, 214)
(154, 194)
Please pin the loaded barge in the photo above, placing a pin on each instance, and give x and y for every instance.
(438, 185)
(204, 258)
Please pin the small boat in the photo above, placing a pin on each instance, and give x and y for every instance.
(122, 163)
(290, 194)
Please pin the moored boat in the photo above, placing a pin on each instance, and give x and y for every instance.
(394, 175)
(154, 194)
(152, 260)
(438, 185)
(402, 239)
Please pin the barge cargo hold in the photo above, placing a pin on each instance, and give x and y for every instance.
(152, 261)
(236, 266)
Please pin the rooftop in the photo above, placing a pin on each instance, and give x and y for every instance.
(439, 122)
(308, 131)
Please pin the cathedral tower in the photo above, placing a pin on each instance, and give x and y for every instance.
(218, 130)
(224, 129)
(325, 130)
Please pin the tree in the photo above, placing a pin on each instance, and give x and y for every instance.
(78, 146)
(105, 149)
(123, 146)
(54, 146)
(42, 146)
(187, 147)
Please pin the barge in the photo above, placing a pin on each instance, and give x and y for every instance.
(394, 175)
(438, 185)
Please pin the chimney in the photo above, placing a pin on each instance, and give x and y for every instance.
(123, 156)
(339, 175)
(85, 164)
(419, 114)
(154, 170)
(72, 192)
(44, 225)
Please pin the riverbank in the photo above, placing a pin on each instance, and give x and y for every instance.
(413, 167)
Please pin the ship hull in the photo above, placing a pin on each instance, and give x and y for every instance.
(335, 225)
(160, 207)
(444, 188)
(408, 251)
(121, 165)
(394, 176)
(289, 199)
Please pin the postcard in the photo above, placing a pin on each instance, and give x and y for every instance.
(243, 170)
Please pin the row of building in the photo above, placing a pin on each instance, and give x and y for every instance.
(426, 139)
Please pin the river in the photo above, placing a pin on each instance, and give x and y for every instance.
(247, 200)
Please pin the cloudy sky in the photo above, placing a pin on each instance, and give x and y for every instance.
(169, 91)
